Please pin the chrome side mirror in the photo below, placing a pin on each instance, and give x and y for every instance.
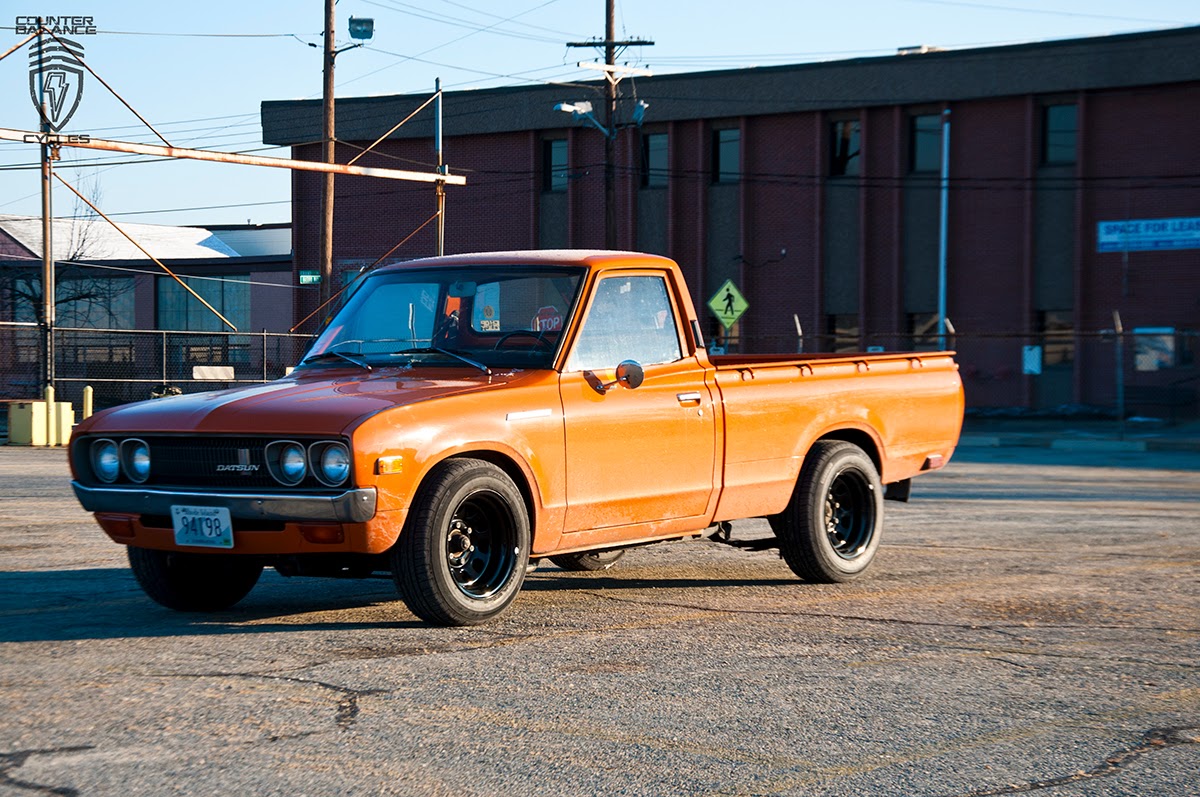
(629, 373)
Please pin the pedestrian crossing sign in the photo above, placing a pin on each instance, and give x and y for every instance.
(728, 304)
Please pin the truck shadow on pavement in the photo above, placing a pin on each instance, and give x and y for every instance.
(106, 603)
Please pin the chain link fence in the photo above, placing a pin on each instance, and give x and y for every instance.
(1150, 374)
(122, 365)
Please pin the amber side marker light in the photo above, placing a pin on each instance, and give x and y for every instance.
(325, 534)
(386, 465)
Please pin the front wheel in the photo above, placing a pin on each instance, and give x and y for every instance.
(462, 555)
(830, 530)
(192, 582)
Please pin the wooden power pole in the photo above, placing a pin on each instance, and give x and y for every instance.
(327, 155)
(610, 45)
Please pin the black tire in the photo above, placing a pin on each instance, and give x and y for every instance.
(830, 530)
(462, 556)
(587, 561)
(192, 582)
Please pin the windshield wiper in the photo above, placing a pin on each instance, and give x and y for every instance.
(327, 355)
(448, 353)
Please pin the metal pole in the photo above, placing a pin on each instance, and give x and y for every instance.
(48, 286)
(441, 168)
(943, 228)
(1119, 329)
(327, 155)
(610, 131)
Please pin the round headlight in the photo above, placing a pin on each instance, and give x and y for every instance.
(136, 457)
(106, 464)
(287, 462)
(291, 463)
(335, 464)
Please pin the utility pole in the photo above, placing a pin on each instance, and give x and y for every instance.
(610, 141)
(610, 45)
(48, 154)
(441, 169)
(327, 155)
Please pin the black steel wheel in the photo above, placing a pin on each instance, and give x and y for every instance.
(588, 561)
(830, 530)
(462, 556)
(193, 582)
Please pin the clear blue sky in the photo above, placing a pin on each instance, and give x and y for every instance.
(198, 71)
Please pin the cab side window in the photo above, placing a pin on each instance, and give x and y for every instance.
(631, 318)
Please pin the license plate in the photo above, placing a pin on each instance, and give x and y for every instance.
(202, 526)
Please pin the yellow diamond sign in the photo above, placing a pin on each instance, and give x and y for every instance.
(728, 304)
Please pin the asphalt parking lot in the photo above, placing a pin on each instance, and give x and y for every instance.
(1031, 625)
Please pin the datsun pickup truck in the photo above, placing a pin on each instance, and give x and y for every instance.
(461, 418)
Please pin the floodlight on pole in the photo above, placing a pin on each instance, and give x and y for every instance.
(362, 27)
(639, 112)
(583, 110)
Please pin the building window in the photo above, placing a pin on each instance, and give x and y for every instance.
(179, 310)
(554, 165)
(95, 302)
(925, 143)
(1057, 330)
(923, 331)
(842, 332)
(654, 160)
(1060, 123)
(726, 156)
(844, 148)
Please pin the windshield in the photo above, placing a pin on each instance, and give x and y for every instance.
(478, 316)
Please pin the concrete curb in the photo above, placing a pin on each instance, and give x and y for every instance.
(1084, 445)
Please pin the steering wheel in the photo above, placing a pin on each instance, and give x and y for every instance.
(537, 336)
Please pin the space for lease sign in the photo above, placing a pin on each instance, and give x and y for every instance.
(1139, 235)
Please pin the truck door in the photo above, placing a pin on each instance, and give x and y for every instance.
(644, 454)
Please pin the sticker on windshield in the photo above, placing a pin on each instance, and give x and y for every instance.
(485, 315)
(427, 301)
(547, 319)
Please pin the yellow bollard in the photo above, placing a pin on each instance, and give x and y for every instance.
(87, 401)
(51, 417)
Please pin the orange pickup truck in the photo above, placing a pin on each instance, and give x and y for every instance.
(463, 417)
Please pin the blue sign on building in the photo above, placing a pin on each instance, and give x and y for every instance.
(1141, 235)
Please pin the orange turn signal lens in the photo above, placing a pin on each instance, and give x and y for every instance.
(325, 534)
(385, 465)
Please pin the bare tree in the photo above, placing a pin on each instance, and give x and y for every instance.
(85, 296)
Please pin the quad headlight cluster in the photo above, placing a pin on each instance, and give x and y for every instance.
(290, 462)
(110, 460)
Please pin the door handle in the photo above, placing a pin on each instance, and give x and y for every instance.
(688, 398)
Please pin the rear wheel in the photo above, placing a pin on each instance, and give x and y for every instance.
(192, 582)
(830, 530)
(462, 556)
(587, 561)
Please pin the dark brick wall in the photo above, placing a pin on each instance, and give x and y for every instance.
(1021, 236)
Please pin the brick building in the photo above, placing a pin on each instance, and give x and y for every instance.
(816, 188)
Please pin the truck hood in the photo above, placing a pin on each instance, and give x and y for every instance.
(326, 401)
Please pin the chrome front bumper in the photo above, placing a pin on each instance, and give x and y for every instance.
(352, 506)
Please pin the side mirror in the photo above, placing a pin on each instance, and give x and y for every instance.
(629, 373)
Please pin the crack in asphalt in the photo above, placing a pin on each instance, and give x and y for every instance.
(344, 717)
(17, 759)
(1152, 740)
